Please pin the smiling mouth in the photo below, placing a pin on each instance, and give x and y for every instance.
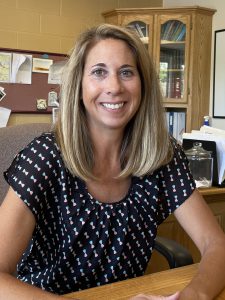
(113, 106)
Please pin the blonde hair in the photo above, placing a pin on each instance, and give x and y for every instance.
(146, 144)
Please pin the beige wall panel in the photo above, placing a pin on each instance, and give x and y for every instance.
(108, 5)
(67, 44)
(64, 26)
(38, 42)
(87, 13)
(29, 118)
(8, 39)
(9, 3)
(92, 20)
(19, 20)
(42, 6)
(71, 8)
(140, 3)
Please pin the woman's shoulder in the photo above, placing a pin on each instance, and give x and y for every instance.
(45, 137)
(45, 142)
(40, 150)
(178, 151)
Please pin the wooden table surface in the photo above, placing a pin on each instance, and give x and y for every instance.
(211, 191)
(161, 283)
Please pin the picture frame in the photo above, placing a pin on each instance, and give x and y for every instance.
(219, 75)
(41, 104)
(52, 98)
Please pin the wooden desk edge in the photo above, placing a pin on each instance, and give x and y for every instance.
(211, 191)
(164, 283)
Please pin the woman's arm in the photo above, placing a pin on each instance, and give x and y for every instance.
(16, 226)
(198, 221)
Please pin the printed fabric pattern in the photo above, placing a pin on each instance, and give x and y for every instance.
(79, 242)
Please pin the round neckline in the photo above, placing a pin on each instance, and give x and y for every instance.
(84, 188)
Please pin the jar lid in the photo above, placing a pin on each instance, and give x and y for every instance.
(197, 151)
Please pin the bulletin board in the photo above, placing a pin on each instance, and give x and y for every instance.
(22, 98)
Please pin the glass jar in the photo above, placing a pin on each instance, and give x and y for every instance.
(201, 165)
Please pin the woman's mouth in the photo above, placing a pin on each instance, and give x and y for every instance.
(113, 106)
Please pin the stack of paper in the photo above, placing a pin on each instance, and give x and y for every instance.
(207, 133)
(4, 116)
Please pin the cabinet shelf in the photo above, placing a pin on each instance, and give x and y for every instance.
(145, 39)
(167, 42)
(172, 45)
(174, 70)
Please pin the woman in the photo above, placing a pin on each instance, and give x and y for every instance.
(95, 190)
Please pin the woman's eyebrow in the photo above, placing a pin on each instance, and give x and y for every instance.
(128, 66)
(99, 65)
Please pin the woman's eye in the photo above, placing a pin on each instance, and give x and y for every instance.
(99, 72)
(126, 73)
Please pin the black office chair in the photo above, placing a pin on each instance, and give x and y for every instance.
(14, 138)
(175, 254)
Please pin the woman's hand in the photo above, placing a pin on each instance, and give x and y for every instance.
(155, 297)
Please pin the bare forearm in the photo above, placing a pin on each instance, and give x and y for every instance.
(209, 280)
(13, 289)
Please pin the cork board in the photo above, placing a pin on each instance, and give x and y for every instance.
(22, 98)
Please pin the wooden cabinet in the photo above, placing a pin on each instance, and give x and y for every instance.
(179, 40)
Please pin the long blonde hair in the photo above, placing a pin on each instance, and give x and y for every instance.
(146, 144)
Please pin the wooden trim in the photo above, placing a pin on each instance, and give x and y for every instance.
(212, 191)
(183, 9)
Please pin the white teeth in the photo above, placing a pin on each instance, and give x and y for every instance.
(113, 106)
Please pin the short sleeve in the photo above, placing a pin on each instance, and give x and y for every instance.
(176, 183)
(32, 172)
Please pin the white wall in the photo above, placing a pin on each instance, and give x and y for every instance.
(218, 23)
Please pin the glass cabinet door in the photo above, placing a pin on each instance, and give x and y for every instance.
(142, 25)
(142, 29)
(172, 60)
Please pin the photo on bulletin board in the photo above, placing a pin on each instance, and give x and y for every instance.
(219, 75)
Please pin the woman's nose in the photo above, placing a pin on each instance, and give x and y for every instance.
(114, 85)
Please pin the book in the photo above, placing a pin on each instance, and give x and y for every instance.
(181, 36)
(173, 30)
(177, 88)
(176, 124)
(181, 125)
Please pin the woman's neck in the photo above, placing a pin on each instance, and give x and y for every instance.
(107, 147)
(107, 166)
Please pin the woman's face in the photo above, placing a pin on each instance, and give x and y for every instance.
(111, 86)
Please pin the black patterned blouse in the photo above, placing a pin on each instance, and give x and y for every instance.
(79, 242)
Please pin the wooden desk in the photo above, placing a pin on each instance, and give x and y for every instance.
(213, 194)
(162, 283)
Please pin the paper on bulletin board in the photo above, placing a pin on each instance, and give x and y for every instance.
(21, 68)
(55, 72)
(5, 66)
(41, 65)
(4, 116)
